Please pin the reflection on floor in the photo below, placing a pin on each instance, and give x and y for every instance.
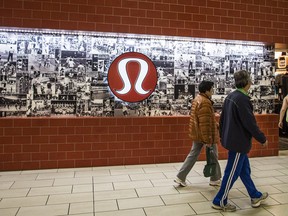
(140, 190)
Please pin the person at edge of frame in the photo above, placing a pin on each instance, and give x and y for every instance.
(283, 110)
(237, 126)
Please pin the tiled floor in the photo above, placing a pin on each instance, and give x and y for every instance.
(142, 190)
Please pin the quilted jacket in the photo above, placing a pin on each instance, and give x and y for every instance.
(202, 125)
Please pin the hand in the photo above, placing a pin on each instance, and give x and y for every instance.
(265, 144)
(280, 124)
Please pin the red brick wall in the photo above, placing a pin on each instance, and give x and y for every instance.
(257, 20)
(33, 143)
(39, 143)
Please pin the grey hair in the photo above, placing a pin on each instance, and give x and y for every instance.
(242, 78)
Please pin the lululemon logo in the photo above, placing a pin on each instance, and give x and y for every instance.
(132, 77)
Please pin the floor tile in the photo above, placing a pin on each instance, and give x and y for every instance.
(245, 203)
(82, 188)
(79, 169)
(198, 180)
(264, 188)
(282, 187)
(172, 175)
(284, 171)
(278, 210)
(92, 173)
(242, 203)
(30, 184)
(6, 185)
(233, 193)
(50, 190)
(141, 166)
(72, 181)
(213, 214)
(267, 173)
(183, 198)
(210, 194)
(138, 177)
(238, 184)
(70, 198)
(14, 193)
(126, 171)
(281, 198)
(132, 184)
(23, 201)
(25, 172)
(106, 205)
(170, 210)
(251, 212)
(140, 190)
(13, 177)
(269, 167)
(103, 186)
(119, 194)
(167, 164)
(266, 181)
(106, 179)
(283, 179)
(85, 214)
(81, 208)
(163, 182)
(203, 207)
(132, 212)
(158, 169)
(48, 210)
(6, 173)
(196, 188)
(60, 175)
(153, 191)
(8, 211)
(109, 167)
(140, 202)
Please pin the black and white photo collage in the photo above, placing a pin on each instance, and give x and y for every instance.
(65, 74)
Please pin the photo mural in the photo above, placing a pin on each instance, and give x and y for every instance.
(62, 74)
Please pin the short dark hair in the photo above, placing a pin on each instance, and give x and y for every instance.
(242, 78)
(205, 85)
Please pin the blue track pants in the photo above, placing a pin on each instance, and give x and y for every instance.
(237, 165)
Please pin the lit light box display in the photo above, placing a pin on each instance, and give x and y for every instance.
(59, 73)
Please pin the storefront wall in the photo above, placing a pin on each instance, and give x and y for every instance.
(258, 20)
(34, 143)
(39, 143)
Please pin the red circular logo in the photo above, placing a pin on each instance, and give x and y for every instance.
(132, 77)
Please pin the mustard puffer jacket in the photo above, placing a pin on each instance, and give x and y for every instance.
(202, 125)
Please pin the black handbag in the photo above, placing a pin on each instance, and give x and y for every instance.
(210, 167)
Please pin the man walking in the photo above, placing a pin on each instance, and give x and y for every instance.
(237, 127)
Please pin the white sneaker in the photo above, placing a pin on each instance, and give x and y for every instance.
(256, 202)
(227, 208)
(215, 183)
(180, 182)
